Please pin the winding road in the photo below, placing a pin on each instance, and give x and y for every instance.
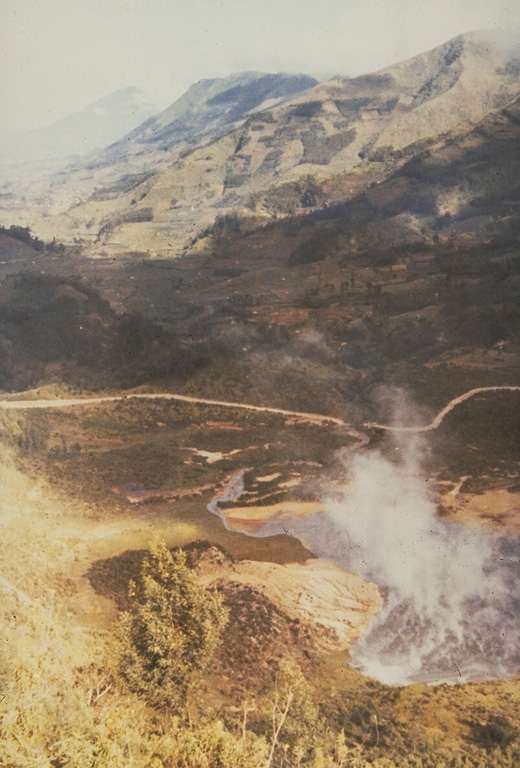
(310, 418)
(442, 414)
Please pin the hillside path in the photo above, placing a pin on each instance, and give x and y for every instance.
(442, 414)
(310, 418)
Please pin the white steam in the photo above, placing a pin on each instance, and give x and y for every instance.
(452, 604)
(449, 612)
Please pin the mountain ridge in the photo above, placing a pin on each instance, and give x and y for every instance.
(207, 110)
(324, 145)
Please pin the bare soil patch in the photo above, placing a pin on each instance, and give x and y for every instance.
(498, 510)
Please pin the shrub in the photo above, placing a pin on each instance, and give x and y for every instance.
(171, 631)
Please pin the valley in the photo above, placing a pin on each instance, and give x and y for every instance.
(274, 328)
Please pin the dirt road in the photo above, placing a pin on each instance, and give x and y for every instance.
(442, 414)
(309, 418)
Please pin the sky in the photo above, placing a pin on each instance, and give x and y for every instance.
(56, 56)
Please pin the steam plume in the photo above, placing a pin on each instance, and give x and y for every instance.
(450, 610)
(452, 603)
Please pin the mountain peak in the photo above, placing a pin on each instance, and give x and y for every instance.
(96, 125)
(214, 105)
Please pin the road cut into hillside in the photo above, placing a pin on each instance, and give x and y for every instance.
(310, 418)
(435, 424)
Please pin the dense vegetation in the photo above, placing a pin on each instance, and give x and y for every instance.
(171, 631)
(24, 235)
(60, 327)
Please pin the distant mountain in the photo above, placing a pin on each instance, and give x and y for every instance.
(208, 110)
(98, 124)
(328, 144)
(412, 281)
(109, 165)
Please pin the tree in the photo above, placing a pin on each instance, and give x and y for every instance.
(296, 723)
(171, 630)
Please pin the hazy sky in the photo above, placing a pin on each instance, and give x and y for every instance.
(59, 55)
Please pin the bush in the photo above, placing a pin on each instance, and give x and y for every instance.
(171, 631)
